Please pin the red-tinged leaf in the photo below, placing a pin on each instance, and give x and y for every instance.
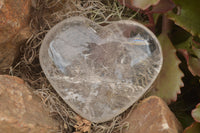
(139, 4)
(194, 128)
(168, 83)
(163, 6)
(194, 66)
(197, 42)
(187, 15)
(196, 113)
(196, 52)
(192, 62)
(128, 3)
(191, 54)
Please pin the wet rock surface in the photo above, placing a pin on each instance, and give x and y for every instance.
(152, 115)
(14, 17)
(100, 71)
(20, 110)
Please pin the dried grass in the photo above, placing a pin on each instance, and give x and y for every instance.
(45, 14)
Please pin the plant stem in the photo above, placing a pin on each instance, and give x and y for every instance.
(166, 25)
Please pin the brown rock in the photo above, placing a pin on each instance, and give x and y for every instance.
(8, 52)
(14, 16)
(152, 115)
(20, 110)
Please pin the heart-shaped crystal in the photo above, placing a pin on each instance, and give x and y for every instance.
(100, 71)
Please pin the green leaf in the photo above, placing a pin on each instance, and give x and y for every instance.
(191, 54)
(180, 109)
(192, 62)
(196, 113)
(194, 128)
(194, 65)
(141, 4)
(196, 52)
(169, 80)
(185, 45)
(156, 17)
(187, 15)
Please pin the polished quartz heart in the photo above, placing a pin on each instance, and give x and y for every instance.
(100, 71)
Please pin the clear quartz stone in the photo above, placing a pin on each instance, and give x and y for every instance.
(100, 71)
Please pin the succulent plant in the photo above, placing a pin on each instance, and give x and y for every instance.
(185, 15)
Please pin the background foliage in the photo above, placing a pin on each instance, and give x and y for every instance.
(177, 24)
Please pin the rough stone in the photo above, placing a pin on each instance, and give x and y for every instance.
(152, 115)
(20, 110)
(14, 18)
(8, 52)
